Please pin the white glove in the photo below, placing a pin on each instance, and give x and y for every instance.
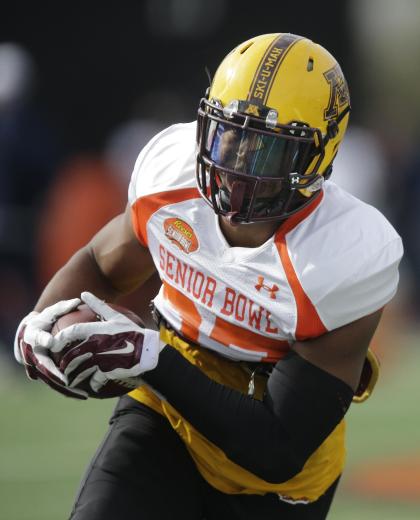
(33, 342)
(113, 349)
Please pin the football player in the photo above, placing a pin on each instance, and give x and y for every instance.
(273, 283)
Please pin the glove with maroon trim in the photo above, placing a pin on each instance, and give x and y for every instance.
(33, 342)
(105, 358)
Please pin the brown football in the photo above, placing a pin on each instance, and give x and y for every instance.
(84, 314)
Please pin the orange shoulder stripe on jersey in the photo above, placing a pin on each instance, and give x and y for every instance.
(144, 207)
(309, 323)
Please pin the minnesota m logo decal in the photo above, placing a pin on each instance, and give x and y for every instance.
(339, 92)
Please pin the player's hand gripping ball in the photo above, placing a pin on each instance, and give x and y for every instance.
(33, 343)
(103, 349)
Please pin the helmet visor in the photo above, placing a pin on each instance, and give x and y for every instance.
(252, 152)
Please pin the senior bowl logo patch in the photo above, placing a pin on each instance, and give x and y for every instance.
(181, 234)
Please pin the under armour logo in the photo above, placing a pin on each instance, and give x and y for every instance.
(294, 178)
(261, 285)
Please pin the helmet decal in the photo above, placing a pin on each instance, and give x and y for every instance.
(339, 92)
(270, 63)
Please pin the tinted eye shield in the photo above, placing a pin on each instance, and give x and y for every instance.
(243, 144)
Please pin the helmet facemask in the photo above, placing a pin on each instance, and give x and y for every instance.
(250, 168)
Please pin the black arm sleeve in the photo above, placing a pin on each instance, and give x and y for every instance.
(272, 438)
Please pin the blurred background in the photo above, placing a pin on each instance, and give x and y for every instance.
(83, 86)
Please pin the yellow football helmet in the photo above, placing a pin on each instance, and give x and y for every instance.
(269, 127)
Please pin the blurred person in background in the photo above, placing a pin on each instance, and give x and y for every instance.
(390, 108)
(84, 195)
(362, 152)
(406, 223)
(28, 158)
(273, 283)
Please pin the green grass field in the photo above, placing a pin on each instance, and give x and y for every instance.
(47, 440)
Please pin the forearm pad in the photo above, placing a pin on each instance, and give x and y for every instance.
(272, 438)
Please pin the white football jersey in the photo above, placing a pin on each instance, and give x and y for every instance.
(330, 264)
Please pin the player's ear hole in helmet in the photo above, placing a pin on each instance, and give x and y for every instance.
(270, 128)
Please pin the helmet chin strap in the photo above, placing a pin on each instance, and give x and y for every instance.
(237, 194)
